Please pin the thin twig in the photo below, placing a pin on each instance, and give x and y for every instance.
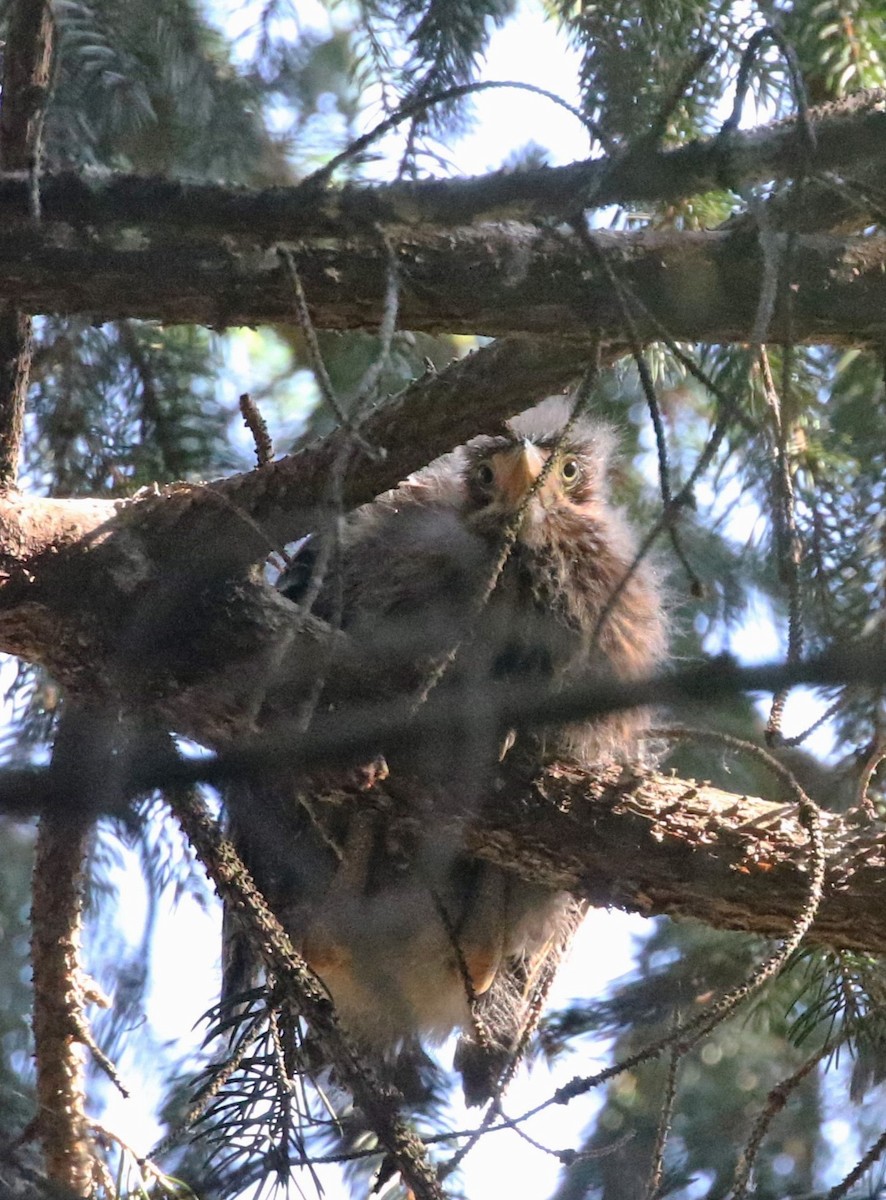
(875, 756)
(797, 739)
(670, 510)
(698, 60)
(666, 1116)
(769, 32)
(787, 538)
(367, 388)
(770, 244)
(257, 426)
(864, 1164)
(690, 1032)
(415, 107)
(775, 1102)
(105, 1065)
(330, 545)
(219, 1079)
(315, 355)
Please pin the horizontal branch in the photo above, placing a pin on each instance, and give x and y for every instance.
(645, 843)
(351, 734)
(656, 845)
(850, 136)
(489, 279)
(659, 845)
(253, 512)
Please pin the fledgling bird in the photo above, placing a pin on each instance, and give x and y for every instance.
(412, 936)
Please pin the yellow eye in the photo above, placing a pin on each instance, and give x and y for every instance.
(569, 471)
(484, 474)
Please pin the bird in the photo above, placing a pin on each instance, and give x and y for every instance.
(505, 561)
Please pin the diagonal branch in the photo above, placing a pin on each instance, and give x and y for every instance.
(86, 582)
(311, 1000)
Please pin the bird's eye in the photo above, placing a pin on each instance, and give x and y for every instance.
(570, 471)
(484, 474)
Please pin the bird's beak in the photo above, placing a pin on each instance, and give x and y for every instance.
(517, 470)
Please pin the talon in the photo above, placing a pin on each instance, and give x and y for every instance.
(482, 966)
(323, 953)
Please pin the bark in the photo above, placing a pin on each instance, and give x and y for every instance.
(56, 919)
(656, 844)
(27, 63)
(88, 588)
(653, 844)
(849, 138)
(489, 279)
(154, 248)
(15, 372)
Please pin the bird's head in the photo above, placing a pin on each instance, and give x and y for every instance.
(550, 483)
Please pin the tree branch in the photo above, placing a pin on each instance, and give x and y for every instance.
(850, 136)
(27, 62)
(56, 918)
(85, 585)
(310, 998)
(489, 279)
(656, 844)
(659, 845)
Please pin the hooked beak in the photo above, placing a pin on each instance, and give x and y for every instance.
(516, 471)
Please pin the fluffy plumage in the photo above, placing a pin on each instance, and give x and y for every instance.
(412, 937)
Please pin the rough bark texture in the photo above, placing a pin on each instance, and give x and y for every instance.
(15, 371)
(27, 64)
(848, 133)
(659, 845)
(56, 913)
(490, 279)
(89, 588)
(656, 844)
(118, 247)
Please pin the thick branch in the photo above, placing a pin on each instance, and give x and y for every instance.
(850, 137)
(87, 585)
(651, 844)
(245, 516)
(657, 844)
(490, 279)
